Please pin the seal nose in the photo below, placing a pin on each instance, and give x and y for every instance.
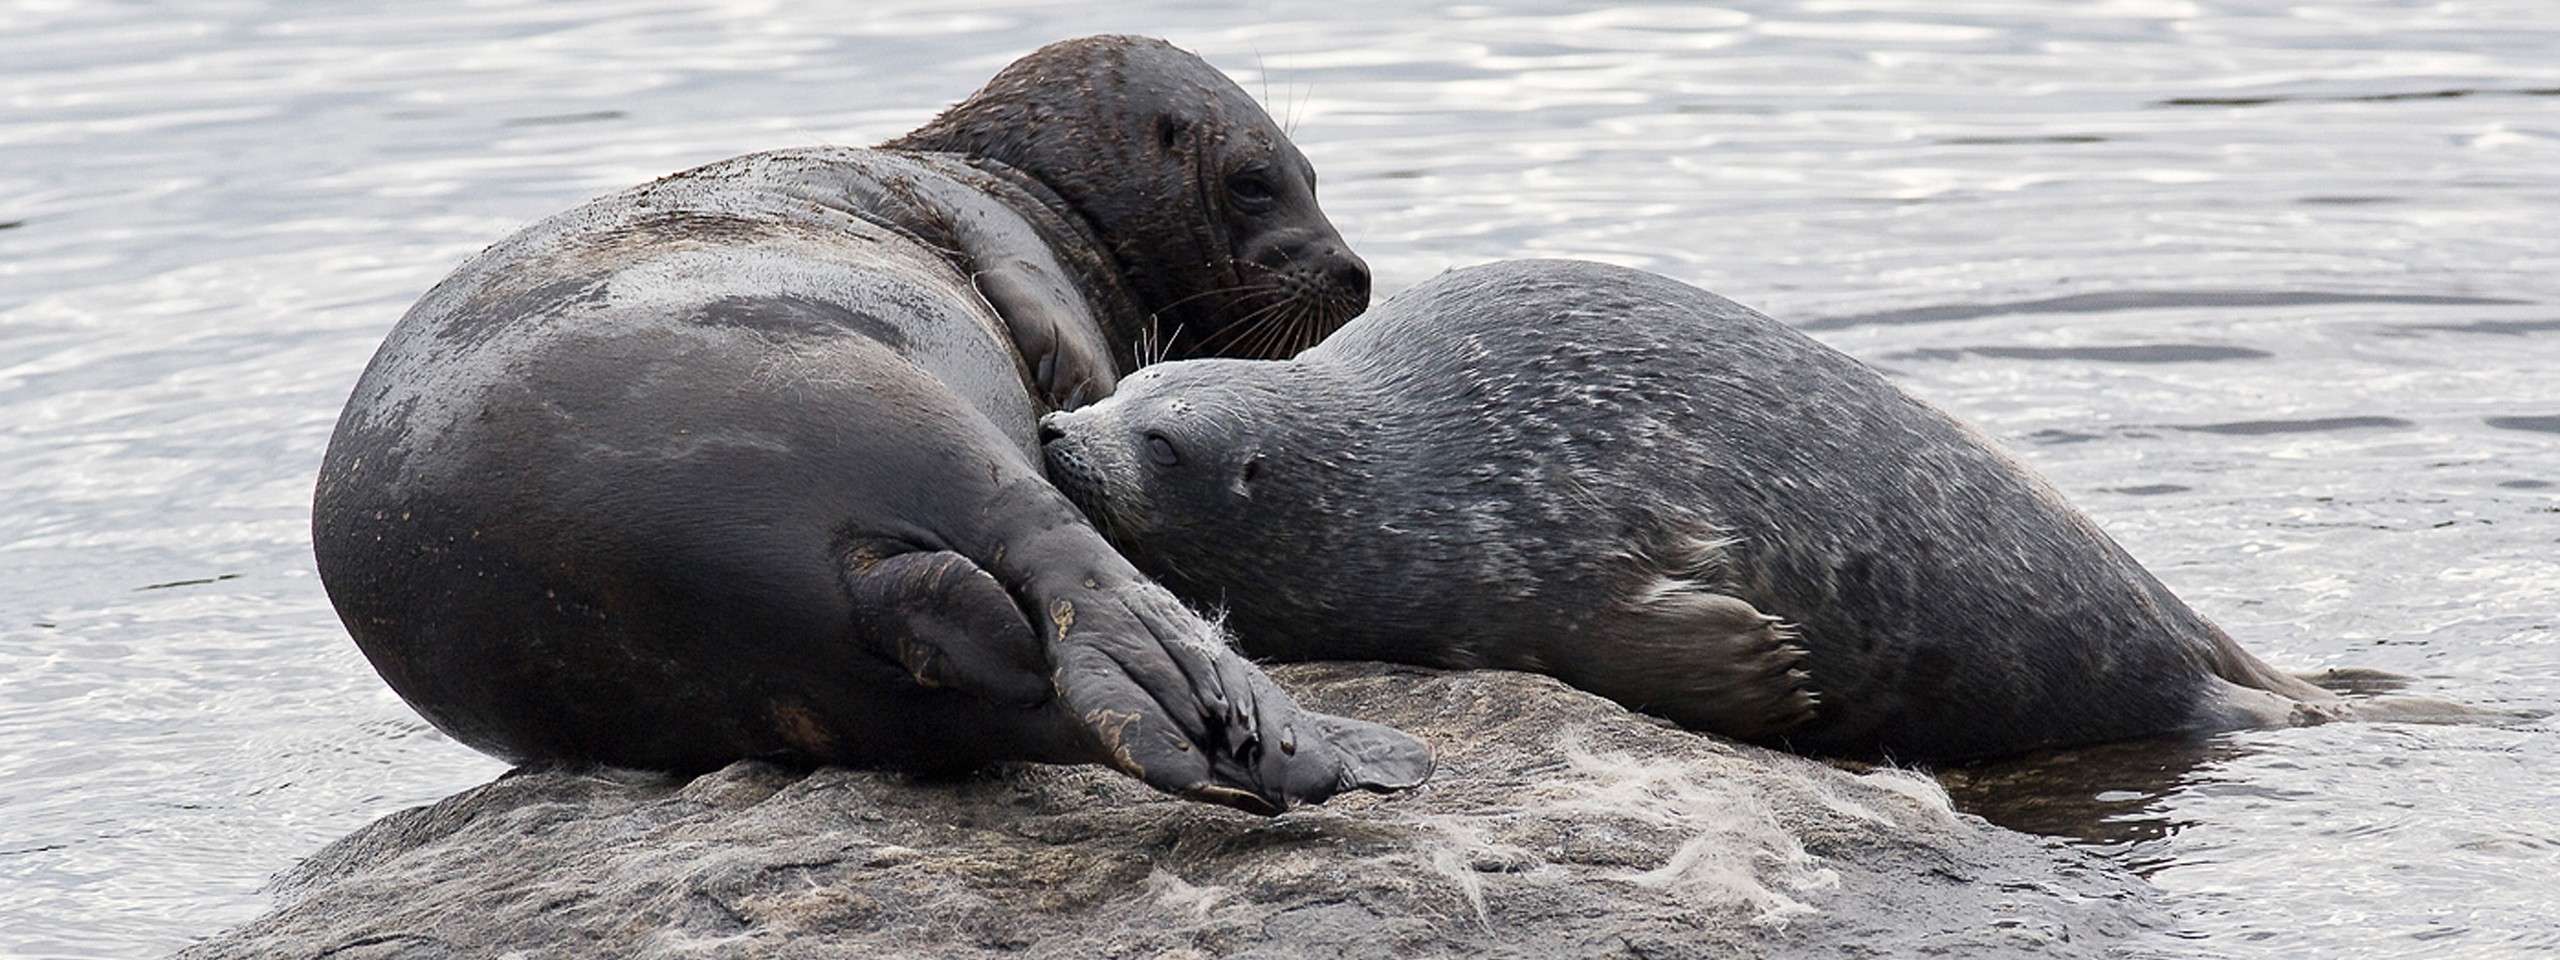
(1049, 432)
(1350, 277)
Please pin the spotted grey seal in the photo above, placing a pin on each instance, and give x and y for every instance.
(740, 463)
(1663, 497)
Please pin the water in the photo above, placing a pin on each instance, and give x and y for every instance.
(2268, 288)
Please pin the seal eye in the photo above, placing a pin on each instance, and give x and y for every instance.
(1253, 192)
(1161, 450)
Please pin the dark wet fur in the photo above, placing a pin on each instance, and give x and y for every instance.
(739, 464)
(1083, 117)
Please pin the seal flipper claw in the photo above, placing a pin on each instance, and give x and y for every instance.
(1192, 718)
(949, 623)
(1142, 743)
(1300, 756)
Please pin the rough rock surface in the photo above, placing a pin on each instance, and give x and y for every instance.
(1558, 825)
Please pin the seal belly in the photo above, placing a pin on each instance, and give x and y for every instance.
(536, 522)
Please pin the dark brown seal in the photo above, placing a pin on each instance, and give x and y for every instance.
(1660, 496)
(1206, 208)
(739, 463)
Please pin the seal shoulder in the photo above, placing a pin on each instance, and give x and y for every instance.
(1040, 272)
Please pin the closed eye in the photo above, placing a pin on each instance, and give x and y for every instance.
(1160, 449)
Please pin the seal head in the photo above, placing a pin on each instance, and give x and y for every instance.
(1206, 207)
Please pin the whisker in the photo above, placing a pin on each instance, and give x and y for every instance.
(1277, 334)
(1239, 331)
(1149, 343)
(1276, 304)
(1277, 314)
(1215, 292)
(1303, 329)
(1224, 343)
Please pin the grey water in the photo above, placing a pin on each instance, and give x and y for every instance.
(2271, 289)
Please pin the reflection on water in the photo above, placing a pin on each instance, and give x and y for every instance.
(2549, 424)
(2510, 328)
(2141, 353)
(2270, 288)
(2142, 300)
(2260, 428)
(2360, 98)
(2120, 795)
(2111, 794)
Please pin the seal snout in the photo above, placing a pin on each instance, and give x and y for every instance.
(1350, 280)
(1302, 285)
(1345, 285)
(1341, 277)
(1320, 268)
(1058, 452)
(1071, 468)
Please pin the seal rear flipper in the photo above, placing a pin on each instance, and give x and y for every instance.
(2357, 681)
(2233, 706)
(948, 622)
(2232, 662)
(1704, 660)
(1304, 756)
(2405, 709)
(2340, 693)
(1193, 719)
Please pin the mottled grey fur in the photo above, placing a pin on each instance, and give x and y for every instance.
(1661, 496)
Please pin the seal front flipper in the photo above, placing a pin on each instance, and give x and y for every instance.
(1301, 755)
(1704, 660)
(1374, 757)
(947, 621)
(1069, 367)
(1194, 719)
(1000, 228)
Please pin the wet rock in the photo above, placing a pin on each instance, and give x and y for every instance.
(1558, 825)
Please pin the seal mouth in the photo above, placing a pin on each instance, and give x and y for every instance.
(1072, 470)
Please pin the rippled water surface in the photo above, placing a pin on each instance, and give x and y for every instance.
(2271, 289)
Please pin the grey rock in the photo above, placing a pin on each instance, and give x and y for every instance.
(1558, 825)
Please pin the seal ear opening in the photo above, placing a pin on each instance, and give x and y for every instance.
(1170, 130)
